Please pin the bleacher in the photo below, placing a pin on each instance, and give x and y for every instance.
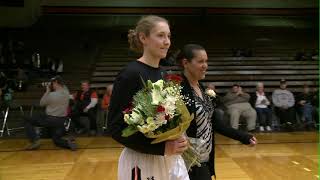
(266, 65)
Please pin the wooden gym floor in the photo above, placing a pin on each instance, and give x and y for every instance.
(292, 156)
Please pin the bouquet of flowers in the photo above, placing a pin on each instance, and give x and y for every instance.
(159, 112)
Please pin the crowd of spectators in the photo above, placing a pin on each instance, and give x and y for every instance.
(262, 111)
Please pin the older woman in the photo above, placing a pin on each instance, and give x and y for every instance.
(193, 59)
(261, 102)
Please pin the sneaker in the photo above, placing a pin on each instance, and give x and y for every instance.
(34, 146)
(72, 145)
(268, 128)
(81, 131)
(289, 127)
(261, 128)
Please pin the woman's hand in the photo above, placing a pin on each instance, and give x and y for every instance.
(253, 141)
(177, 146)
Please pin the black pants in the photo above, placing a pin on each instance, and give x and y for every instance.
(200, 173)
(55, 125)
(286, 115)
(91, 114)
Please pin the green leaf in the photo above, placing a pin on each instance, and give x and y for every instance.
(128, 131)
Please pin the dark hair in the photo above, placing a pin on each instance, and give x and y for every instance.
(85, 81)
(187, 52)
(144, 25)
(235, 85)
(58, 79)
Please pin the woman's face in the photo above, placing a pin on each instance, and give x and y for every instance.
(260, 88)
(198, 65)
(158, 41)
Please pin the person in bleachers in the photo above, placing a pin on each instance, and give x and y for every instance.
(3, 79)
(306, 107)
(2, 61)
(21, 80)
(85, 104)
(105, 103)
(217, 103)
(315, 101)
(59, 69)
(284, 101)
(56, 101)
(237, 103)
(261, 102)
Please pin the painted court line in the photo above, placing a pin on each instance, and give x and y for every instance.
(306, 169)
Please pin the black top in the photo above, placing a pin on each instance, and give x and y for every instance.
(218, 125)
(253, 99)
(126, 85)
(308, 97)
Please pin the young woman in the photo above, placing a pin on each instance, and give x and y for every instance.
(193, 59)
(140, 159)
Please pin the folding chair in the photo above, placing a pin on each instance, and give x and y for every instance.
(5, 126)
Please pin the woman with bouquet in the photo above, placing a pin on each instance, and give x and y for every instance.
(193, 59)
(140, 159)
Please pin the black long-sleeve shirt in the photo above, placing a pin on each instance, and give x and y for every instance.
(126, 85)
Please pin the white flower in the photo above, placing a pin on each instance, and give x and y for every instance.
(159, 84)
(135, 117)
(161, 117)
(156, 97)
(127, 118)
(150, 120)
(170, 90)
(144, 129)
(170, 108)
(211, 93)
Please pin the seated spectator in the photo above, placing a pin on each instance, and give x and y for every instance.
(3, 79)
(283, 101)
(237, 103)
(36, 61)
(7, 93)
(261, 102)
(21, 80)
(216, 101)
(59, 69)
(1, 98)
(56, 100)
(85, 102)
(305, 107)
(106, 102)
(315, 102)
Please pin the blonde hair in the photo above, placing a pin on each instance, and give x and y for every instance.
(144, 25)
(259, 84)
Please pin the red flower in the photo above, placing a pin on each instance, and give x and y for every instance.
(128, 109)
(160, 109)
(174, 77)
